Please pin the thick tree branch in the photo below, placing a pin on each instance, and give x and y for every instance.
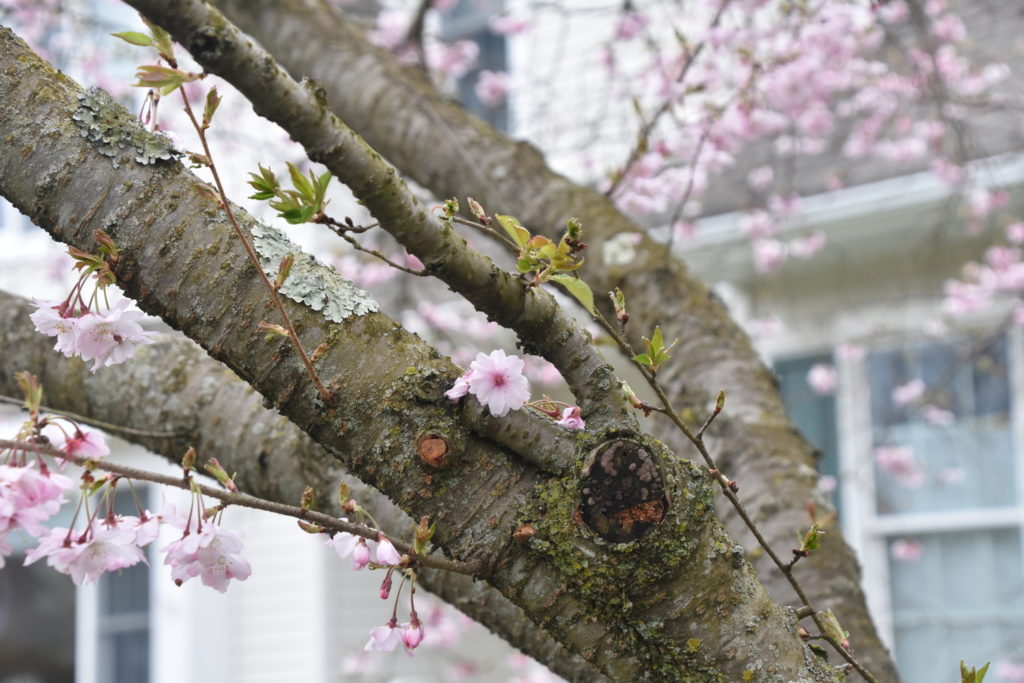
(442, 147)
(541, 323)
(222, 417)
(677, 603)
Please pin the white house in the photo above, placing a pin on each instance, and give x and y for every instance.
(940, 533)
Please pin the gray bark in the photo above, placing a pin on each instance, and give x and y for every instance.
(678, 604)
(436, 143)
(222, 417)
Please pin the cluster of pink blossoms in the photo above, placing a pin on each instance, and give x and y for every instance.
(388, 637)
(103, 546)
(106, 339)
(28, 497)
(205, 549)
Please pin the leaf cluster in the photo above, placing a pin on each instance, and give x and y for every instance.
(302, 204)
(548, 261)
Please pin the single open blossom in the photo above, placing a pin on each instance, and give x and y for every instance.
(49, 320)
(386, 552)
(82, 443)
(85, 556)
(822, 378)
(571, 418)
(385, 638)
(906, 550)
(110, 338)
(492, 87)
(908, 393)
(498, 382)
(213, 554)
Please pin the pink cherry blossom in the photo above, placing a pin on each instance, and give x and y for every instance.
(82, 443)
(1015, 232)
(460, 388)
(385, 638)
(630, 25)
(29, 497)
(906, 550)
(1010, 671)
(849, 352)
(48, 320)
(900, 463)
(827, 483)
(768, 255)
(937, 416)
(822, 378)
(343, 543)
(498, 382)
(952, 475)
(85, 556)
(412, 635)
(492, 87)
(571, 418)
(507, 25)
(386, 552)
(806, 247)
(213, 554)
(110, 338)
(360, 555)
(909, 392)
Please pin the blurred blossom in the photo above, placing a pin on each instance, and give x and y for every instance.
(937, 416)
(822, 378)
(906, 550)
(849, 352)
(900, 463)
(908, 393)
(827, 483)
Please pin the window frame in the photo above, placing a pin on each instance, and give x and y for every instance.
(866, 531)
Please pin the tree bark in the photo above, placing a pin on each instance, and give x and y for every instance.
(679, 603)
(222, 417)
(439, 145)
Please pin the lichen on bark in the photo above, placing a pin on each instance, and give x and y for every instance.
(310, 282)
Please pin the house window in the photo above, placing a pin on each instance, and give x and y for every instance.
(115, 634)
(468, 20)
(932, 486)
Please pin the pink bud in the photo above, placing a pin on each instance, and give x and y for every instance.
(360, 555)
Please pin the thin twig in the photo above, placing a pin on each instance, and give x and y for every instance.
(245, 500)
(325, 393)
(489, 231)
(373, 252)
(93, 422)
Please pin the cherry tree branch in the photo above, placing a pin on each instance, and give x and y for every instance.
(301, 109)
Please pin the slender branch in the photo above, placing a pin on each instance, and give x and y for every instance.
(245, 500)
(93, 422)
(489, 231)
(325, 393)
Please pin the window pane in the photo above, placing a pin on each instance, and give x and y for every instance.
(813, 414)
(956, 596)
(942, 431)
(37, 623)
